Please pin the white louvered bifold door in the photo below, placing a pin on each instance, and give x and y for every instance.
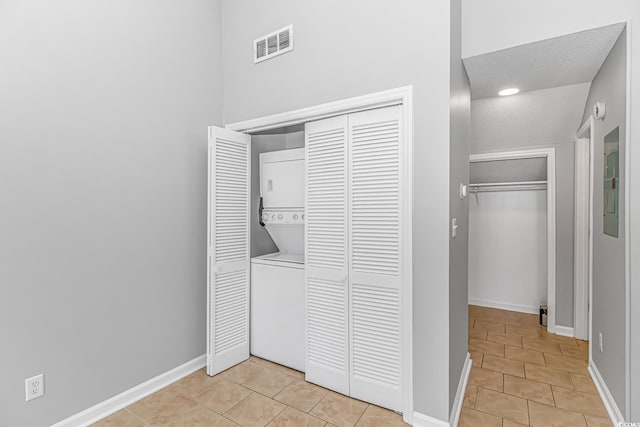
(327, 352)
(228, 249)
(374, 247)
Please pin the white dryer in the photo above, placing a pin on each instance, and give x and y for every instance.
(277, 279)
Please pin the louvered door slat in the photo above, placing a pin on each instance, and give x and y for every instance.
(327, 361)
(374, 273)
(228, 249)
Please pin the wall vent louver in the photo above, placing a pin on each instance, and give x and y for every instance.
(273, 44)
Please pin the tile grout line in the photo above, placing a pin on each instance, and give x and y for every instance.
(277, 415)
(361, 415)
(273, 370)
(528, 409)
(500, 416)
(317, 403)
(136, 415)
(269, 397)
(563, 354)
(240, 401)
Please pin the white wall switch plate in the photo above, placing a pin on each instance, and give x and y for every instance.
(34, 387)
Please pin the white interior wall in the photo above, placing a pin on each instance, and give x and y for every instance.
(508, 249)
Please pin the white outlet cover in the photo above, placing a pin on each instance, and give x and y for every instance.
(34, 387)
(601, 342)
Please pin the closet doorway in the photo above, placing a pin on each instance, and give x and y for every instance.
(583, 242)
(233, 144)
(503, 244)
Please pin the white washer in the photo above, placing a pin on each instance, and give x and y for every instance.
(277, 309)
(277, 279)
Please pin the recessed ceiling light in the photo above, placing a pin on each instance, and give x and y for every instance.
(508, 92)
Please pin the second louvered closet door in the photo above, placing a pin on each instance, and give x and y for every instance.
(374, 248)
(327, 353)
(353, 248)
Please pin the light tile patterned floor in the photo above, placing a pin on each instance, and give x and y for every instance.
(254, 393)
(522, 375)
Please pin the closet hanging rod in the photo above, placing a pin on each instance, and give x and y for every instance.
(499, 189)
(495, 187)
(508, 184)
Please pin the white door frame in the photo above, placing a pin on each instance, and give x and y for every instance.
(583, 230)
(399, 96)
(550, 155)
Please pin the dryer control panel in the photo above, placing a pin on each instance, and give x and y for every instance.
(283, 217)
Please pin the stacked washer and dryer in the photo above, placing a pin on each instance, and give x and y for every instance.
(277, 279)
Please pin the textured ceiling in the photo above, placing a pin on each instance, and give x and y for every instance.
(549, 116)
(561, 61)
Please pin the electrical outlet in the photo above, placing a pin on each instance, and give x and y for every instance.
(34, 387)
(601, 342)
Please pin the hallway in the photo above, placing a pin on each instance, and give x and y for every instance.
(522, 375)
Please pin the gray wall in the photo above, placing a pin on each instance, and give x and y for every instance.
(516, 123)
(344, 49)
(530, 118)
(459, 247)
(609, 303)
(103, 169)
(513, 170)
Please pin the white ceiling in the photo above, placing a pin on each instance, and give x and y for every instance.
(561, 61)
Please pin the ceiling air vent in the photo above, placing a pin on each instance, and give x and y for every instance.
(273, 44)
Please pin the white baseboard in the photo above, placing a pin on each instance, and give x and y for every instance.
(127, 397)
(565, 331)
(504, 306)
(422, 420)
(462, 388)
(605, 395)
